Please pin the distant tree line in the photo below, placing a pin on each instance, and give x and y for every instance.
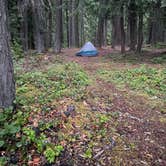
(43, 24)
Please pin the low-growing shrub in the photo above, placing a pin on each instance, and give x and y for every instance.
(150, 80)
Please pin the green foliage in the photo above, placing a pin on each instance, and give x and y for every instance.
(51, 153)
(3, 161)
(10, 125)
(152, 81)
(16, 49)
(103, 119)
(59, 80)
(159, 60)
(30, 134)
(39, 141)
(88, 153)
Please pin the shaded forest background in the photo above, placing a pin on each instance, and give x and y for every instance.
(44, 24)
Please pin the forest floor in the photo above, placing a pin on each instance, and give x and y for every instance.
(94, 111)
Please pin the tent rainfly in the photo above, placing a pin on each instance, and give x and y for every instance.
(88, 50)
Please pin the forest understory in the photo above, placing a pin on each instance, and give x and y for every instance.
(104, 110)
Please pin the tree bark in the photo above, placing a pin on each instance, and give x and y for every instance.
(116, 36)
(100, 36)
(73, 24)
(140, 32)
(7, 85)
(122, 30)
(39, 24)
(67, 23)
(155, 24)
(133, 24)
(23, 9)
(59, 31)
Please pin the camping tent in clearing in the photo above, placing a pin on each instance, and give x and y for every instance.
(88, 50)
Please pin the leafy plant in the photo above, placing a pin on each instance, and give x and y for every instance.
(102, 119)
(10, 125)
(159, 60)
(145, 79)
(51, 153)
(88, 153)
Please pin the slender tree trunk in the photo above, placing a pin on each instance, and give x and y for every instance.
(73, 24)
(67, 23)
(48, 42)
(24, 31)
(70, 24)
(122, 30)
(76, 26)
(150, 25)
(7, 85)
(133, 24)
(102, 20)
(113, 33)
(140, 32)
(59, 31)
(82, 34)
(105, 33)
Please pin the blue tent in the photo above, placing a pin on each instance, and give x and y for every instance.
(88, 50)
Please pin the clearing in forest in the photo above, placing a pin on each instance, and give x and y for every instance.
(104, 110)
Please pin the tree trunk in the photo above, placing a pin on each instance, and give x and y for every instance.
(39, 24)
(122, 30)
(140, 32)
(133, 24)
(156, 27)
(76, 26)
(73, 24)
(101, 23)
(23, 9)
(70, 24)
(59, 31)
(105, 33)
(82, 33)
(7, 85)
(116, 36)
(67, 23)
(48, 42)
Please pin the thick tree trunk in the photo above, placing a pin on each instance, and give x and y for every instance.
(24, 31)
(23, 6)
(59, 31)
(116, 36)
(122, 30)
(39, 25)
(133, 24)
(7, 85)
